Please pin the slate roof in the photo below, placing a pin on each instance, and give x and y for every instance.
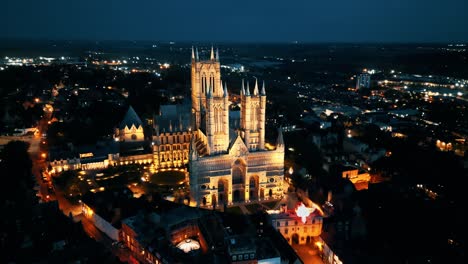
(131, 118)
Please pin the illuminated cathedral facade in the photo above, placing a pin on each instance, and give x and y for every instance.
(226, 165)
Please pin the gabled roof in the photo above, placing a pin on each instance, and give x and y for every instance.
(131, 118)
(238, 147)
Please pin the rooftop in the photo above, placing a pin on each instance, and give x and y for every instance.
(130, 118)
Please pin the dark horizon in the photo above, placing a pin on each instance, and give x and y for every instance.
(362, 21)
(240, 42)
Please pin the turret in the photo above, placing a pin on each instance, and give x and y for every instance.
(263, 89)
(247, 91)
(226, 111)
(245, 115)
(262, 119)
(212, 56)
(225, 90)
(255, 91)
(279, 140)
(242, 91)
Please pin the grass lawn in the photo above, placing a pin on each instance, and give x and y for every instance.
(168, 178)
(234, 210)
(270, 204)
(253, 208)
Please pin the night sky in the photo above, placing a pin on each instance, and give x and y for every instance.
(237, 20)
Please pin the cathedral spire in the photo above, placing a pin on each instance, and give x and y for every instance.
(247, 91)
(193, 54)
(255, 91)
(217, 54)
(212, 57)
(170, 125)
(280, 141)
(242, 88)
(225, 90)
(263, 89)
(196, 53)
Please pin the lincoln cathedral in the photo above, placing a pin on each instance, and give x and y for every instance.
(227, 163)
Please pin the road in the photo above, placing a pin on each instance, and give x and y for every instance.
(122, 253)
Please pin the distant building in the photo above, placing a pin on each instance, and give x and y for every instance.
(357, 176)
(363, 81)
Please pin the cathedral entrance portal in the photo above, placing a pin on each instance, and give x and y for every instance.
(223, 187)
(253, 187)
(236, 196)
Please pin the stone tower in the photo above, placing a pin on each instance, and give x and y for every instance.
(227, 168)
(210, 104)
(253, 116)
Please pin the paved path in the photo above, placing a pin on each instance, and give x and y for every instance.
(308, 254)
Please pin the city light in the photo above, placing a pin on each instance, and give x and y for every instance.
(303, 212)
